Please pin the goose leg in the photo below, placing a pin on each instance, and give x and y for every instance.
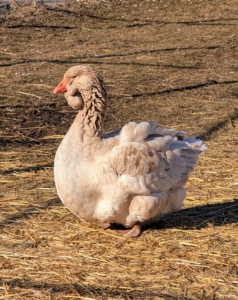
(134, 232)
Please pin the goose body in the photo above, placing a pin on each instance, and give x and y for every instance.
(131, 176)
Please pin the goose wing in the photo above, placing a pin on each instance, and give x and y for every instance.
(144, 161)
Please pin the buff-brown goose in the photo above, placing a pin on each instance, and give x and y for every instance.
(131, 176)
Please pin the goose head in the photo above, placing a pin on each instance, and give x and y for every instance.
(80, 84)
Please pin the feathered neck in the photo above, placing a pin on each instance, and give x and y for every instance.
(94, 111)
(88, 87)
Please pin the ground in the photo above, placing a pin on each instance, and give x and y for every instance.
(170, 61)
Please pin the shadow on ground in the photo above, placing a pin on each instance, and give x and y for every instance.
(199, 217)
(80, 289)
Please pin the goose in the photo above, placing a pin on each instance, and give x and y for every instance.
(131, 176)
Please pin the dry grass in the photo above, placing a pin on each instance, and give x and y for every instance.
(170, 61)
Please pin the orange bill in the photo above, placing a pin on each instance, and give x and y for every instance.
(61, 87)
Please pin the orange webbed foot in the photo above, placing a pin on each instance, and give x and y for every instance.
(134, 232)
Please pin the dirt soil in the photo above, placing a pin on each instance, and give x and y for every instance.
(170, 61)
